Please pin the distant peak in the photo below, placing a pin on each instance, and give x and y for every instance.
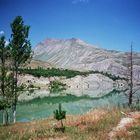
(77, 40)
(74, 39)
(61, 39)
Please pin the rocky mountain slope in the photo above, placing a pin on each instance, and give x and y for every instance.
(78, 55)
(36, 63)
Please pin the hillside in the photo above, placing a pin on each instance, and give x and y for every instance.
(78, 55)
(37, 63)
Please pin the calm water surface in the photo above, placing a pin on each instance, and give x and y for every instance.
(43, 108)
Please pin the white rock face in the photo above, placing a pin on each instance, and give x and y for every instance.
(76, 54)
(93, 85)
(26, 96)
(38, 83)
(31, 80)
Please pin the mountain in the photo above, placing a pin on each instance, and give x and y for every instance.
(78, 55)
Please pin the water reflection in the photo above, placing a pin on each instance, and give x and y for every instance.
(44, 107)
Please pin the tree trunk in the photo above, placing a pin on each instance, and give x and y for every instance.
(3, 117)
(6, 117)
(14, 115)
(15, 75)
(131, 78)
(130, 98)
(61, 124)
(15, 104)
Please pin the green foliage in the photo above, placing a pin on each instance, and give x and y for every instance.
(20, 49)
(65, 72)
(19, 44)
(5, 80)
(59, 114)
(4, 104)
(134, 129)
(56, 86)
(12, 57)
(51, 72)
(135, 107)
(20, 52)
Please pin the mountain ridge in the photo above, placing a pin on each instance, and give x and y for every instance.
(78, 55)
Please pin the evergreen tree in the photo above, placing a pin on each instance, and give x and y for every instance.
(5, 81)
(59, 114)
(20, 50)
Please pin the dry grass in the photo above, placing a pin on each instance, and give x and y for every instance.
(132, 130)
(94, 125)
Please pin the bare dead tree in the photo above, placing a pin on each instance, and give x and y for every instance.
(130, 77)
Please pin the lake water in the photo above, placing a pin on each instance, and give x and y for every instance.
(43, 108)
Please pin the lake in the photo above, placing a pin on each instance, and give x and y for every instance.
(43, 107)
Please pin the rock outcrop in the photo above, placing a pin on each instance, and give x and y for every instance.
(93, 85)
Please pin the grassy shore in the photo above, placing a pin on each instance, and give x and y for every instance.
(94, 125)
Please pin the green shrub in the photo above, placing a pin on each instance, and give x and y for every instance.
(59, 115)
(56, 86)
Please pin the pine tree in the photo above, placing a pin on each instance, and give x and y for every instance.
(20, 49)
(5, 81)
(59, 114)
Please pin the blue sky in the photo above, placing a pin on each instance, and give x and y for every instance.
(110, 24)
